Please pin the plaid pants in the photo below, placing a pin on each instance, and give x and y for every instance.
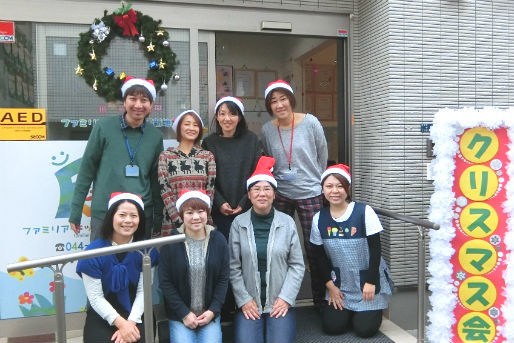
(306, 208)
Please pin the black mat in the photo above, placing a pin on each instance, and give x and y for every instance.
(308, 330)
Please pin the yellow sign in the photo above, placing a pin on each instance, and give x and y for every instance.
(477, 293)
(478, 182)
(479, 145)
(22, 124)
(477, 257)
(478, 220)
(476, 327)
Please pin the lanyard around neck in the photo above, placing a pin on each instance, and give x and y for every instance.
(291, 143)
(132, 156)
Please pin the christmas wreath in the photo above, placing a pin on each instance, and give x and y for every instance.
(125, 23)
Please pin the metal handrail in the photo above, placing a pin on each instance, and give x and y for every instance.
(56, 263)
(421, 225)
(418, 222)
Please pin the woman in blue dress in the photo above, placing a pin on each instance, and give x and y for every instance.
(346, 236)
(114, 283)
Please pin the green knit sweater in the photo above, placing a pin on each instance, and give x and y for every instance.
(104, 162)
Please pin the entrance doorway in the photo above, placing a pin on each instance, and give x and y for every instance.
(246, 63)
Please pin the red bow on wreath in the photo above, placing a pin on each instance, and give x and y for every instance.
(126, 22)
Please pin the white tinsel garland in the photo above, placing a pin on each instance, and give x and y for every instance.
(448, 124)
(508, 306)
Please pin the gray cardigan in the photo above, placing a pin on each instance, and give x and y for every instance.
(285, 267)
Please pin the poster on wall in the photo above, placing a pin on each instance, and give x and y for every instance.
(223, 81)
(472, 280)
(37, 187)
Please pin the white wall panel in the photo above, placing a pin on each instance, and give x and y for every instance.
(413, 58)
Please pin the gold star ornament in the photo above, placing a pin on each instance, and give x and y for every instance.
(150, 47)
(79, 70)
(162, 64)
(92, 55)
(122, 76)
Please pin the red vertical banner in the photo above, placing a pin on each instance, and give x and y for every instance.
(478, 263)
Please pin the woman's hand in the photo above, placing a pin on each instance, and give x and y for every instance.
(368, 292)
(127, 331)
(190, 321)
(237, 210)
(225, 209)
(335, 297)
(280, 308)
(250, 310)
(205, 318)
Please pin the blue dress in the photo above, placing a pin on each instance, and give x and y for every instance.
(120, 276)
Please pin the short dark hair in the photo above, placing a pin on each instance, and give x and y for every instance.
(346, 184)
(138, 90)
(287, 93)
(107, 228)
(193, 203)
(241, 127)
(198, 122)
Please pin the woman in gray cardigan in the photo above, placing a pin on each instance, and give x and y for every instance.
(266, 264)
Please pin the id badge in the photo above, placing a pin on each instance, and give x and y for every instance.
(290, 175)
(131, 170)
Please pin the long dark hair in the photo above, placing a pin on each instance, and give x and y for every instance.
(241, 127)
(107, 227)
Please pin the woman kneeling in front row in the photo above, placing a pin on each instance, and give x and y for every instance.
(193, 275)
(266, 264)
(346, 236)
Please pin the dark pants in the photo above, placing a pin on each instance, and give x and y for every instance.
(97, 330)
(306, 208)
(364, 323)
(223, 224)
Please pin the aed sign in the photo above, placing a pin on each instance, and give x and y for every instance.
(7, 32)
(22, 124)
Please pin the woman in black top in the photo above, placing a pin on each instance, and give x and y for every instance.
(236, 151)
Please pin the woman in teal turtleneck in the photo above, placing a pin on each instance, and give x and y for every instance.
(266, 264)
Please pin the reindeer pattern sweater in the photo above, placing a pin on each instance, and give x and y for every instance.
(177, 171)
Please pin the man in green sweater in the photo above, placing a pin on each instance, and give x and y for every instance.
(121, 155)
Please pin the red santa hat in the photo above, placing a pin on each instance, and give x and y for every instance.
(134, 81)
(341, 169)
(277, 84)
(187, 194)
(263, 172)
(174, 125)
(232, 99)
(119, 196)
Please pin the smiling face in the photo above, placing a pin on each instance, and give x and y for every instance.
(138, 107)
(261, 195)
(189, 128)
(125, 222)
(334, 190)
(280, 105)
(227, 120)
(194, 221)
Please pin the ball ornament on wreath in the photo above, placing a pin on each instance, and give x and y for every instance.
(125, 23)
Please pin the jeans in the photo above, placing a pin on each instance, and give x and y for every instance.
(210, 333)
(266, 329)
